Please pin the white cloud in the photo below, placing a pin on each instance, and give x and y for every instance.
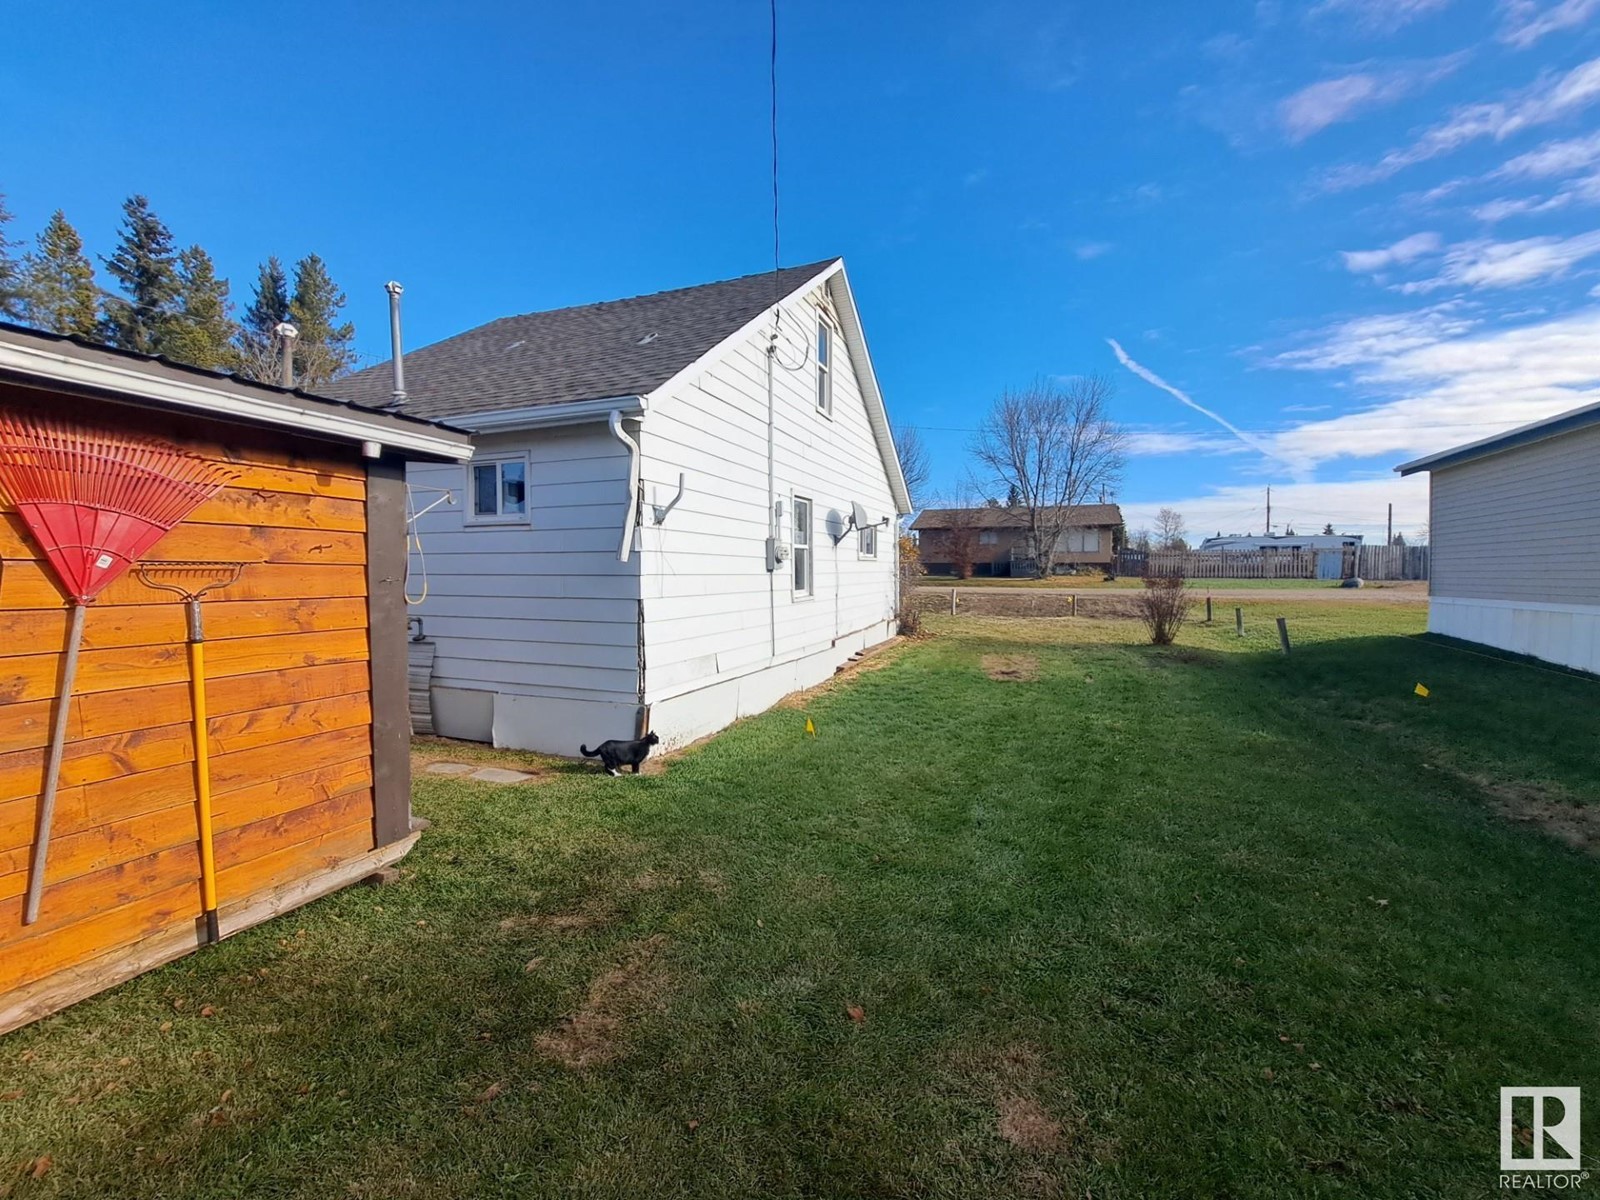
(1351, 506)
(1184, 398)
(1447, 382)
(1089, 250)
(1406, 250)
(1553, 160)
(1152, 443)
(1312, 109)
(1547, 100)
(1380, 16)
(1489, 264)
(974, 177)
(1526, 21)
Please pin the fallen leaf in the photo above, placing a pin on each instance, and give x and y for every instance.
(1283, 1037)
(490, 1092)
(1300, 1047)
(41, 1166)
(533, 964)
(760, 924)
(226, 1096)
(166, 1027)
(13, 1094)
(207, 1010)
(179, 1002)
(857, 1014)
(124, 1062)
(1267, 1074)
(1316, 1066)
(693, 1124)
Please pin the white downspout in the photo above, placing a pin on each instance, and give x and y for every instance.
(632, 515)
(773, 532)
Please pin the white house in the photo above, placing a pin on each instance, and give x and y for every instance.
(681, 508)
(1514, 521)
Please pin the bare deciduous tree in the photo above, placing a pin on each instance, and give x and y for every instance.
(1057, 446)
(1170, 529)
(914, 464)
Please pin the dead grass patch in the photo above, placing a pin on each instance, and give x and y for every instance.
(1024, 1123)
(1011, 668)
(597, 1033)
(586, 916)
(1576, 824)
(873, 658)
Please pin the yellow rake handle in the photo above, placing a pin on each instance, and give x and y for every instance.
(202, 776)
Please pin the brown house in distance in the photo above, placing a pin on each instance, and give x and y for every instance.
(994, 539)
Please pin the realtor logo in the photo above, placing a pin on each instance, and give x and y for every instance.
(1552, 1115)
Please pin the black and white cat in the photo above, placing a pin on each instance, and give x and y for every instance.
(618, 753)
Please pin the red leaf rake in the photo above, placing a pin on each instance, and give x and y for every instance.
(95, 502)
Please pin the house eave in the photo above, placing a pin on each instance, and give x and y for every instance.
(1523, 435)
(550, 416)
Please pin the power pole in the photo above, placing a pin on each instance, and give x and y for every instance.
(1269, 510)
(1389, 537)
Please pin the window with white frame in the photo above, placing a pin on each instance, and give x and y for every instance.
(803, 581)
(1081, 541)
(824, 366)
(499, 489)
(868, 545)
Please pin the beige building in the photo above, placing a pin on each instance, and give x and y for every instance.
(995, 540)
(1514, 521)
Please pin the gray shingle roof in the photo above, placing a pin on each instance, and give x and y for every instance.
(591, 352)
(1087, 515)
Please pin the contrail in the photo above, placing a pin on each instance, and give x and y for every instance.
(1183, 397)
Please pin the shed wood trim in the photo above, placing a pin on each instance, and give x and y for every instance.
(57, 991)
(387, 629)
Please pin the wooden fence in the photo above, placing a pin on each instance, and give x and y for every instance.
(1369, 562)
(1394, 562)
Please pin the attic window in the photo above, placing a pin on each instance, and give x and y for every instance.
(824, 366)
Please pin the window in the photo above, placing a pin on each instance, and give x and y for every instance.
(988, 537)
(802, 546)
(869, 541)
(500, 489)
(824, 366)
(1081, 541)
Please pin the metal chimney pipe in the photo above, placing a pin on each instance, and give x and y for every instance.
(398, 396)
(286, 336)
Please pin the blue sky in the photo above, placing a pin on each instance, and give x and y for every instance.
(1350, 231)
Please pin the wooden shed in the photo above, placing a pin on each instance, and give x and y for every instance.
(304, 674)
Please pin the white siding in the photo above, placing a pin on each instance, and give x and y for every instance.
(711, 606)
(1522, 525)
(542, 610)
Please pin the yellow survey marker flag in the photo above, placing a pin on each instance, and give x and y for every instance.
(810, 728)
(1420, 690)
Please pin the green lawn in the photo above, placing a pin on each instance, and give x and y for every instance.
(1202, 921)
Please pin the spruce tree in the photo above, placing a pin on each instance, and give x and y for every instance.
(202, 330)
(323, 350)
(146, 266)
(257, 341)
(10, 273)
(58, 288)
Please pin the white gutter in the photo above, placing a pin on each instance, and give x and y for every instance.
(632, 515)
(545, 416)
(327, 418)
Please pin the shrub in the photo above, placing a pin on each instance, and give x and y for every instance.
(909, 616)
(1164, 606)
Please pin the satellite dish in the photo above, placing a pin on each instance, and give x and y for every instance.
(858, 514)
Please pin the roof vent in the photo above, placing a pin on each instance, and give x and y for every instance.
(648, 338)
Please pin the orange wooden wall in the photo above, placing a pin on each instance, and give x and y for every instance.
(288, 691)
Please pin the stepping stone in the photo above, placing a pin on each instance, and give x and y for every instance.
(449, 768)
(500, 775)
